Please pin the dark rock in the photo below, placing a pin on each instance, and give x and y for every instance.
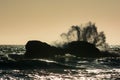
(85, 49)
(82, 49)
(38, 49)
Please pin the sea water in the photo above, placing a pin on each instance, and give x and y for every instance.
(83, 68)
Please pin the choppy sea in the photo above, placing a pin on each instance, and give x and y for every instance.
(64, 68)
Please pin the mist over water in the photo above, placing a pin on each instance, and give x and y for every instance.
(82, 68)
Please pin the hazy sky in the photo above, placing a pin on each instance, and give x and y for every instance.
(45, 20)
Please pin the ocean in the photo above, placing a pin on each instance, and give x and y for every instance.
(59, 68)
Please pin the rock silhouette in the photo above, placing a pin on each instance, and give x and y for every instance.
(38, 49)
(82, 49)
(85, 49)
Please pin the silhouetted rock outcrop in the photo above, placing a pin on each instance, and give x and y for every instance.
(82, 49)
(38, 49)
(85, 49)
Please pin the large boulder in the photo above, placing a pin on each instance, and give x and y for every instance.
(82, 49)
(38, 49)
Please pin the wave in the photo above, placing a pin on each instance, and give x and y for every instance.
(9, 62)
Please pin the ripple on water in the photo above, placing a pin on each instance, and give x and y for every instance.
(60, 74)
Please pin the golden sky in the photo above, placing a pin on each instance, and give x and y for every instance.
(45, 20)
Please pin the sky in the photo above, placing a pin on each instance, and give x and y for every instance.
(45, 20)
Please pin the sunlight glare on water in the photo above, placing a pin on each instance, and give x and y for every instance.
(60, 74)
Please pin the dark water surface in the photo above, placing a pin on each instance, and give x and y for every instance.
(59, 68)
